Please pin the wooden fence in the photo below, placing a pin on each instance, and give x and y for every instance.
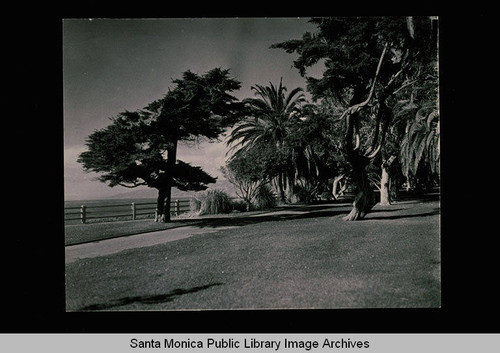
(131, 211)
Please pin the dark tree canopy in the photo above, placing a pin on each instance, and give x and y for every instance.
(126, 155)
(262, 162)
(369, 63)
(190, 178)
(199, 106)
(122, 153)
(350, 49)
(317, 142)
(140, 148)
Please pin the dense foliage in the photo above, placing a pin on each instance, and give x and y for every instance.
(140, 148)
(371, 64)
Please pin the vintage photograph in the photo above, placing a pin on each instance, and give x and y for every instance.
(251, 163)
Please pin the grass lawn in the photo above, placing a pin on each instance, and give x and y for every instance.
(83, 233)
(89, 232)
(308, 260)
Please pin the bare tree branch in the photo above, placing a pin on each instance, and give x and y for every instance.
(355, 108)
(384, 112)
(374, 153)
(411, 28)
(404, 85)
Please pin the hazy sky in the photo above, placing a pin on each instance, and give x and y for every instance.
(114, 65)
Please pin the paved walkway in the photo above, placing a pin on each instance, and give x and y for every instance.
(115, 245)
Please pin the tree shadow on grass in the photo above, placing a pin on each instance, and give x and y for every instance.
(296, 212)
(204, 222)
(434, 212)
(147, 299)
(281, 213)
(247, 220)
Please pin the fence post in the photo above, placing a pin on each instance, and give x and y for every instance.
(83, 215)
(133, 211)
(176, 207)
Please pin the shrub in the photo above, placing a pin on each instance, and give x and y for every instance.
(265, 198)
(239, 205)
(305, 193)
(194, 205)
(215, 202)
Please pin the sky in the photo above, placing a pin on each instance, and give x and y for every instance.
(113, 65)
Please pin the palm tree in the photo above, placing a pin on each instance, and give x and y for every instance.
(271, 116)
(420, 145)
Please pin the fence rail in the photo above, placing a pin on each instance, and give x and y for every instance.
(84, 213)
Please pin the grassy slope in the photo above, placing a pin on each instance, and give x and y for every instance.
(391, 259)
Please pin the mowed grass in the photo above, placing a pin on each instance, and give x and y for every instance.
(89, 232)
(308, 260)
(82, 233)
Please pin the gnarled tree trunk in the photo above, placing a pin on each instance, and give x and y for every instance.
(365, 197)
(335, 186)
